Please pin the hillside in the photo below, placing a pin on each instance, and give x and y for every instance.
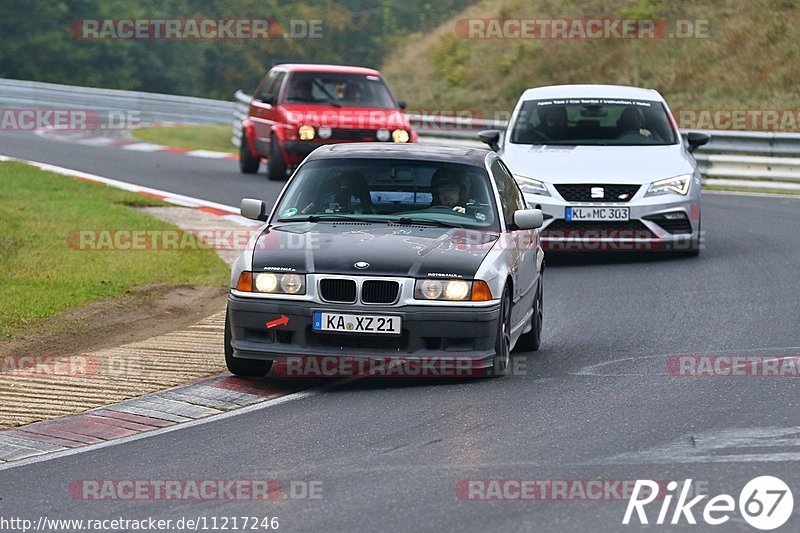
(749, 60)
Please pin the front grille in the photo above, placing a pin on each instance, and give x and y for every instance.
(583, 192)
(612, 229)
(352, 135)
(379, 291)
(338, 290)
(675, 226)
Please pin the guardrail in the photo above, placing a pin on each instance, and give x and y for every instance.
(742, 155)
(151, 107)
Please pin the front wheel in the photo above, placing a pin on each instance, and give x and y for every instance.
(248, 163)
(251, 368)
(530, 342)
(276, 166)
(501, 362)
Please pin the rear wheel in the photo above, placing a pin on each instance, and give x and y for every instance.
(530, 342)
(501, 363)
(276, 166)
(251, 368)
(248, 163)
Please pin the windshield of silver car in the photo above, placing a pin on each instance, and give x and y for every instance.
(391, 190)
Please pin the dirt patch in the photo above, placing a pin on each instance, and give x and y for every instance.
(151, 339)
(141, 314)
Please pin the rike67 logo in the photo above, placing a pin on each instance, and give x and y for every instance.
(765, 502)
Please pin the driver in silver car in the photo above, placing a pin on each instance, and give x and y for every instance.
(450, 188)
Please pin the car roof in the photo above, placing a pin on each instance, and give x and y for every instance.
(343, 69)
(591, 91)
(420, 152)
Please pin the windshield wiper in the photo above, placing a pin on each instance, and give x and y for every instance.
(410, 221)
(329, 217)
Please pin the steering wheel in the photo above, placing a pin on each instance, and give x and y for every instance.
(449, 209)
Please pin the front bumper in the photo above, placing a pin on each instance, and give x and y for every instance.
(295, 151)
(648, 228)
(427, 332)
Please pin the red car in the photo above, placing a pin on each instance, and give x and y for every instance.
(297, 108)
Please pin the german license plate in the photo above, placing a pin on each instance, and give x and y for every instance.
(346, 323)
(596, 213)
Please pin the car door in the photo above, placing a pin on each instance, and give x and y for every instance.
(263, 108)
(522, 245)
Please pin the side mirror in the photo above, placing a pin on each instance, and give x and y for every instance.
(696, 140)
(401, 104)
(528, 218)
(254, 209)
(265, 99)
(490, 137)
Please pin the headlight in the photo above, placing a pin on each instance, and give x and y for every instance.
(383, 134)
(453, 290)
(292, 284)
(677, 185)
(306, 132)
(531, 185)
(266, 282)
(272, 283)
(324, 132)
(400, 136)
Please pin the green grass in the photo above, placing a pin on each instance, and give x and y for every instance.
(748, 59)
(42, 270)
(215, 137)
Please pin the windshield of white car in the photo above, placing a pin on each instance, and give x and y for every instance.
(339, 89)
(406, 192)
(593, 122)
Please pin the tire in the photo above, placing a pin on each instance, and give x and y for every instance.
(530, 342)
(501, 362)
(251, 368)
(248, 163)
(276, 166)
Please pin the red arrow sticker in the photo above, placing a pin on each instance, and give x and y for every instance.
(282, 321)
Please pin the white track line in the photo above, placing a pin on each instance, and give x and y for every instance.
(169, 429)
(186, 200)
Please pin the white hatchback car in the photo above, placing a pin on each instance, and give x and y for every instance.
(607, 166)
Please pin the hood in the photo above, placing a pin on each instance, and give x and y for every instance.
(390, 250)
(367, 118)
(597, 164)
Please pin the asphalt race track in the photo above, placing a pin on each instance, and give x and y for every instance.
(599, 401)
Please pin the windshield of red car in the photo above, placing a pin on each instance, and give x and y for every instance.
(341, 89)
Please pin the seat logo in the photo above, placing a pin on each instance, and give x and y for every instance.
(598, 192)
